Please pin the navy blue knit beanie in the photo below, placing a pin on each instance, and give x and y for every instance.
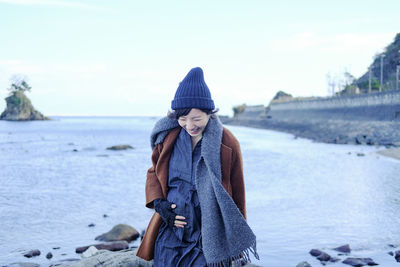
(193, 92)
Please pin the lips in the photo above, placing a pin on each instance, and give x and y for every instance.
(195, 131)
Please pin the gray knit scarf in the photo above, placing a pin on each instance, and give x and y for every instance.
(226, 236)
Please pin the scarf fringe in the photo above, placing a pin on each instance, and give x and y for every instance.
(239, 260)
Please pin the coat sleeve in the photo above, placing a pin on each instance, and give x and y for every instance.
(237, 180)
(153, 186)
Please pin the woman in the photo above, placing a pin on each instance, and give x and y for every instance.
(196, 186)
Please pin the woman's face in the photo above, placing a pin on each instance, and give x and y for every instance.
(195, 122)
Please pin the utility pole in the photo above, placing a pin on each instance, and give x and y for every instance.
(380, 85)
(370, 79)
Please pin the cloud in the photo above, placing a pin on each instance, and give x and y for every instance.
(48, 3)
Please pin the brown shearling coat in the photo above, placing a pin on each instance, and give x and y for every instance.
(157, 182)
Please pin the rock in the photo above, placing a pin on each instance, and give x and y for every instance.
(334, 259)
(360, 154)
(344, 249)
(119, 232)
(56, 248)
(23, 264)
(386, 142)
(303, 264)
(64, 262)
(341, 139)
(75, 150)
(392, 246)
(112, 246)
(360, 139)
(91, 225)
(142, 234)
(120, 147)
(108, 258)
(19, 108)
(324, 257)
(32, 253)
(391, 253)
(397, 255)
(91, 251)
(105, 215)
(49, 255)
(315, 252)
(358, 262)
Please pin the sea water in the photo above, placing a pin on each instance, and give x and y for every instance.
(57, 177)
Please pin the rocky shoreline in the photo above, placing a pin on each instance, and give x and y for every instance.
(378, 133)
(333, 131)
(119, 254)
(113, 251)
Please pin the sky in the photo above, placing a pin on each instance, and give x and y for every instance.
(127, 57)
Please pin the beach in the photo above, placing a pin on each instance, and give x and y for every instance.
(58, 178)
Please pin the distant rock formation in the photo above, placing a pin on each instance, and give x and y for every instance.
(19, 108)
(282, 96)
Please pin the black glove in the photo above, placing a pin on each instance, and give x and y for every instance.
(163, 207)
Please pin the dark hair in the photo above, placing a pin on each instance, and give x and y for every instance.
(175, 114)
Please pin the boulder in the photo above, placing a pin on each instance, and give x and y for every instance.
(358, 262)
(397, 255)
(120, 147)
(303, 264)
(91, 251)
(32, 253)
(315, 252)
(324, 257)
(23, 264)
(119, 232)
(108, 258)
(119, 258)
(343, 249)
(64, 261)
(321, 256)
(112, 246)
(49, 255)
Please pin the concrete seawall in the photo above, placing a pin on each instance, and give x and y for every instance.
(372, 119)
(377, 106)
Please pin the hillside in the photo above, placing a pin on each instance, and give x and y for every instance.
(390, 61)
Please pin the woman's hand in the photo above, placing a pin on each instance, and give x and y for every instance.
(178, 219)
(165, 209)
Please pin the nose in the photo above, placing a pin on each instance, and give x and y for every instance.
(189, 125)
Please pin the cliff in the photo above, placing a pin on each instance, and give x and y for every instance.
(20, 108)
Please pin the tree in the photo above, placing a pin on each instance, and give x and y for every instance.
(349, 79)
(19, 84)
(238, 109)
